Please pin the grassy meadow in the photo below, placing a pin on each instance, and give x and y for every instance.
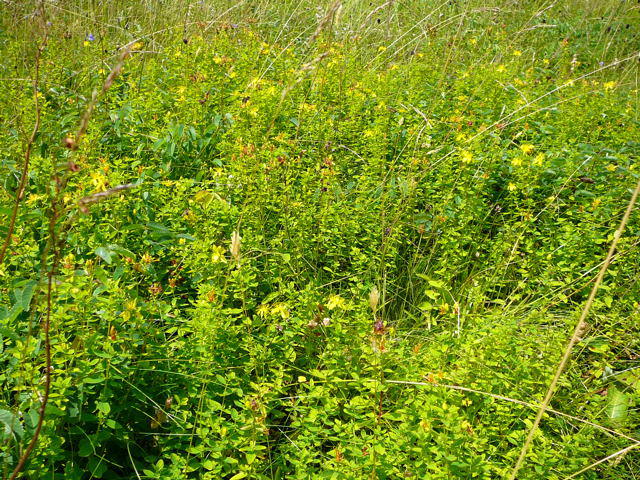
(319, 240)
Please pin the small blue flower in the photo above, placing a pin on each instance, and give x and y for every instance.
(602, 64)
(90, 37)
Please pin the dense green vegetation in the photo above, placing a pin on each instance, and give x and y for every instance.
(337, 240)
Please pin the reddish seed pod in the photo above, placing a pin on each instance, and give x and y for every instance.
(378, 327)
(70, 143)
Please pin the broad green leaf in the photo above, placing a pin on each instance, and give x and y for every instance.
(11, 424)
(617, 405)
(105, 254)
(85, 448)
(24, 295)
(103, 407)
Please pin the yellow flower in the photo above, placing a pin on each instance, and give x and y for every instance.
(609, 85)
(517, 53)
(511, 187)
(516, 162)
(382, 48)
(218, 254)
(369, 133)
(527, 148)
(98, 181)
(501, 68)
(336, 301)
(33, 198)
(263, 310)
(539, 159)
(611, 167)
(67, 261)
(466, 156)
(280, 309)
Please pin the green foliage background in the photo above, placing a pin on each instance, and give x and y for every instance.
(469, 160)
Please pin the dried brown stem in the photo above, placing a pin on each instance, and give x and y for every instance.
(74, 143)
(97, 197)
(27, 153)
(56, 245)
(47, 346)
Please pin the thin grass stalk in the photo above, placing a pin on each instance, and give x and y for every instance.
(602, 460)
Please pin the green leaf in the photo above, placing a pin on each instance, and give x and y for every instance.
(10, 315)
(208, 464)
(97, 466)
(631, 378)
(105, 254)
(8, 333)
(103, 407)
(425, 306)
(98, 379)
(85, 448)
(121, 251)
(617, 405)
(11, 424)
(24, 295)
